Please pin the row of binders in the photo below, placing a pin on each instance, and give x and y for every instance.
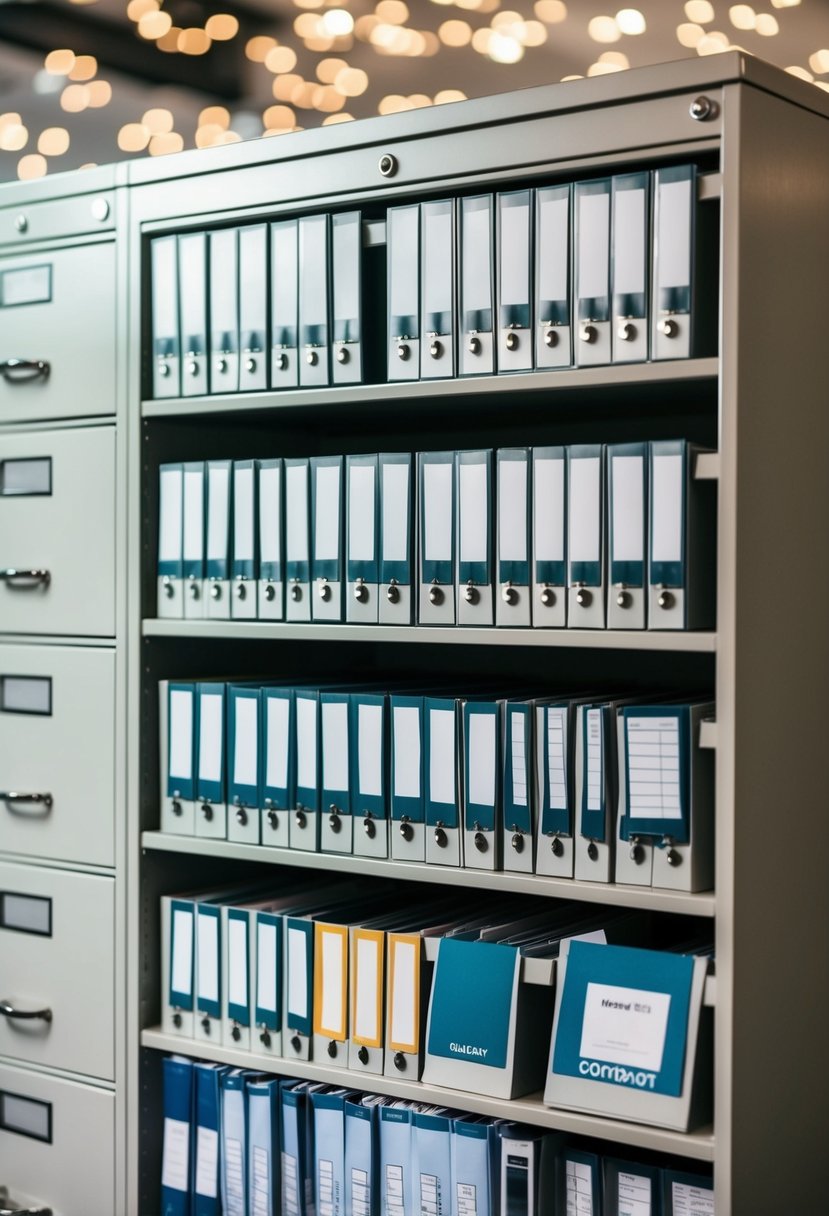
(593, 272)
(243, 1143)
(589, 536)
(463, 999)
(598, 788)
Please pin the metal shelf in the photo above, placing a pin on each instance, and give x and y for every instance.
(545, 383)
(616, 895)
(697, 1145)
(701, 642)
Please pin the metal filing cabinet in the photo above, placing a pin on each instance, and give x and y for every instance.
(62, 525)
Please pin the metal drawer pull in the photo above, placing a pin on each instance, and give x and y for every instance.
(38, 800)
(8, 1011)
(5, 1210)
(31, 578)
(20, 371)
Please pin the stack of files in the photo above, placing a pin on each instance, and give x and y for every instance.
(590, 536)
(260, 306)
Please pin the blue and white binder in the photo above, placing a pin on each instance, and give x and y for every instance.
(630, 262)
(437, 289)
(268, 981)
(224, 310)
(237, 951)
(362, 550)
(298, 999)
(555, 757)
(514, 280)
(245, 538)
(403, 290)
(264, 1149)
(512, 537)
(437, 509)
(477, 286)
(443, 794)
(206, 1196)
(630, 1186)
(284, 303)
(193, 539)
(347, 297)
(476, 1160)
(482, 803)
(305, 822)
(296, 1129)
(314, 339)
(596, 769)
(208, 971)
(170, 570)
(234, 1143)
(549, 533)
(270, 599)
(682, 539)
(192, 298)
(297, 539)
(528, 1167)
(362, 1153)
(586, 533)
(179, 730)
(178, 932)
(579, 1182)
(369, 735)
(396, 1182)
(627, 533)
(685, 1194)
(553, 311)
(328, 1107)
(336, 830)
(243, 764)
(327, 540)
(674, 311)
(408, 748)
(253, 307)
(177, 1150)
(277, 797)
(219, 519)
(518, 784)
(592, 272)
(396, 538)
(165, 319)
(432, 1156)
(475, 547)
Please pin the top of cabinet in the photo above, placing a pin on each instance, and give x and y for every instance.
(62, 205)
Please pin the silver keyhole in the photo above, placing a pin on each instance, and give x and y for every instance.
(312, 358)
(342, 354)
(551, 338)
(403, 351)
(361, 593)
(547, 597)
(474, 346)
(435, 595)
(325, 592)
(511, 341)
(588, 333)
(436, 349)
(668, 327)
(626, 332)
(471, 594)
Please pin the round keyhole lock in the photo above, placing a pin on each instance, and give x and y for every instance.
(393, 594)
(362, 1055)
(250, 365)
(241, 816)
(588, 333)
(361, 593)
(296, 593)
(207, 811)
(296, 1042)
(403, 351)
(312, 358)
(332, 1049)
(471, 594)
(550, 338)
(334, 821)
(369, 827)
(281, 362)
(176, 807)
(236, 1034)
(193, 591)
(517, 842)
(474, 346)
(270, 593)
(169, 589)
(557, 847)
(547, 597)
(387, 164)
(273, 819)
(435, 595)
(342, 354)
(668, 327)
(626, 332)
(666, 599)
(673, 857)
(593, 851)
(221, 365)
(192, 368)
(325, 591)
(164, 369)
(584, 598)
(265, 1038)
(215, 592)
(400, 1061)
(177, 1020)
(441, 839)
(624, 599)
(701, 108)
(436, 349)
(481, 842)
(300, 819)
(511, 341)
(509, 595)
(241, 591)
(205, 1025)
(406, 829)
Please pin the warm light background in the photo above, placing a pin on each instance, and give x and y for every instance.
(91, 81)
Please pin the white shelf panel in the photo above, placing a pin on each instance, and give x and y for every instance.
(611, 894)
(546, 383)
(702, 642)
(697, 1145)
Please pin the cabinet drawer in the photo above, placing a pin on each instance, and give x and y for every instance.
(58, 308)
(57, 949)
(57, 753)
(57, 515)
(57, 1143)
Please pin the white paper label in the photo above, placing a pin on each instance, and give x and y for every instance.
(552, 251)
(165, 322)
(628, 508)
(629, 241)
(519, 759)
(296, 512)
(277, 713)
(261, 1181)
(180, 762)
(361, 516)
(345, 237)
(211, 736)
(404, 253)
(170, 508)
(218, 513)
(266, 949)
(207, 1161)
(243, 515)
(594, 245)
(335, 745)
(406, 752)
(477, 259)
(437, 512)
(396, 512)
(635, 1195)
(306, 743)
(482, 759)
(442, 754)
(327, 513)
(548, 509)
(332, 1003)
(673, 240)
(653, 768)
(368, 979)
(175, 1171)
(585, 509)
(237, 961)
(181, 974)
(207, 936)
(297, 973)
(512, 510)
(270, 510)
(437, 270)
(557, 758)
(404, 989)
(474, 509)
(690, 1200)
(234, 1171)
(193, 515)
(515, 252)
(579, 1197)
(666, 510)
(313, 270)
(285, 252)
(595, 759)
(245, 752)
(625, 1026)
(370, 750)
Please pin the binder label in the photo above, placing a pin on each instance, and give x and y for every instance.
(175, 1174)
(207, 1161)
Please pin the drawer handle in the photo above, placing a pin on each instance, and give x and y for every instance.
(8, 1011)
(25, 580)
(21, 371)
(37, 800)
(5, 1210)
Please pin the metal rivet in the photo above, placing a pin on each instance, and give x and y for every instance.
(403, 351)
(325, 591)
(387, 164)
(250, 365)
(511, 341)
(474, 346)
(21, 223)
(666, 599)
(369, 826)
(551, 338)
(362, 1055)
(436, 349)
(471, 594)
(593, 851)
(701, 108)
(557, 847)
(406, 829)
(215, 592)
(270, 593)
(100, 209)
(509, 595)
(241, 816)
(361, 592)
(584, 598)
(312, 358)
(435, 595)
(393, 593)
(668, 327)
(342, 354)
(626, 332)
(207, 811)
(547, 597)
(193, 367)
(588, 333)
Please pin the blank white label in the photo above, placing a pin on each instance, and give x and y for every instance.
(297, 973)
(313, 270)
(673, 240)
(557, 758)
(512, 510)
(406, 733)
(211, 736)
(180, 762)
(218, 499)
(437, 512)
(653, 768)
(368, 980)
(28, 285)
(690, 1200)
(26, 694)
(345, 235)
(515, 252)
(170, 507)
(270, 510)
(237, 961)
(628, 508)
(595, 759)
(181, 972)
(477, 259)
(482, 759)
(625, 1026)
(277, 714)
(404, 990)
(585, 509)
(404, 252)
(193, 515)
(296, 512)
(335, 745)
(629, 241)
(396, 512)
(332, 1003)
(246, 750)
(548, 509)
(32, 475)
(474, 509)
(361, 513)
(666, 509)
(175, 1170)
(223, 281)
(442, 755)
(284, 244)
(594, 245)
(25, 1115)
(207, 941)
(193, 289)
(27, 913)
(165, 322)
(327, 513)
(253, 272)
(243, 515)
(207, 1161)
(518, 732)
(266, 946)
(437, 271)
(306, 743)
(552, 249)
(370, 750)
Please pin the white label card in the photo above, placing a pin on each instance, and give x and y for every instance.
(237, 961)
(595, 759)
(518, 727)
(335, 745)
(218, 513)
(207, 1161)
(404, 992)
(361, 514)
(332, 1003)
(673, 240)
(579, 1189)
(207, 939)
(306, 743)
(297, 973)
(211, 736)
(635, 1195)
(628, 508)
(266, 950)
(370, 750)
(629, 241)
(170, 513)
(270, 511)
(277, 737)
(243, 514)
(296, 512)
(404, 253)
(594, 245)
(557, 758)
(548, 509)
(396, 512)
(193, 515)
(585, 509)
(442, 754)
(474, 512)
(515, 251)
(180, 762)
(437, 270)
(482, 744)
(181, 972)
(327, 513)
(406, 751)
(512, 510)
(477, 258)
(666, 509)
(345, 236)
(369, 978)
(553, 239)
(245, 752)
(690, 1200)
(437, 512)
(625, 1026)
(175, 1171)
(653, 768)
